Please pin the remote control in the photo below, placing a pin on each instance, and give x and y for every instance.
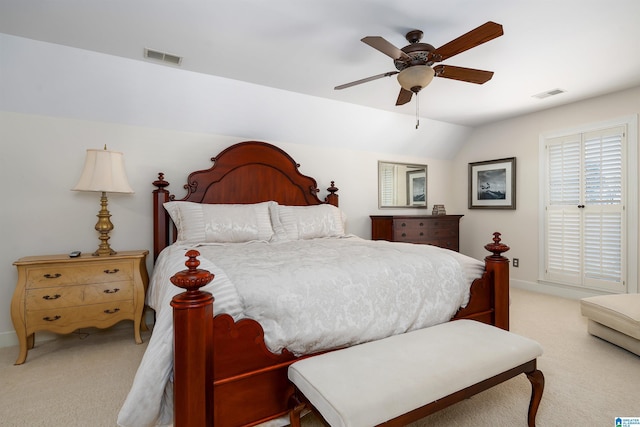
(74, 254)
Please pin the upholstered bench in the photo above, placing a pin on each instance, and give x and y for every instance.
(400, 379)
(614, 318)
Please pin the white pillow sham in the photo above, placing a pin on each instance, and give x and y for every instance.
(306, 222)
(220, 223)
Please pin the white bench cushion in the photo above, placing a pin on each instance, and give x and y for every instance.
(619, 312)
(371, 383)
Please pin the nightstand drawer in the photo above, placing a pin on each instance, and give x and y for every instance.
(58, 275)
(114, 291)
(64, 318)
(65, 296)
(45, 298)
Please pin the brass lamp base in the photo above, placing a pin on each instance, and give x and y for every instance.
(104, 226)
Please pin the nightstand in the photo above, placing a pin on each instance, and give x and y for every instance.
(60, 294)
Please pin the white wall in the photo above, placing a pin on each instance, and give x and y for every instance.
(519, 137)
(56, 102)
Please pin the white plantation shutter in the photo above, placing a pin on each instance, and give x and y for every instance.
(564, 246)
(387, 184)
(564, 226)
(585, 223)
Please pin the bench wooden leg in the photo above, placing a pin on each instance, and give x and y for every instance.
(537, 387)
(297, 405)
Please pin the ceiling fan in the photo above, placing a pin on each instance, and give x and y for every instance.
(413, 62)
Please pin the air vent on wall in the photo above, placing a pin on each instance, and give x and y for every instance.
(549, 93)
(162, 56)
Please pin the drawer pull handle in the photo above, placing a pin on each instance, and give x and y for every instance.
(115, 270)
(111, 291)
(421, 233)
(51, 319)
(404, 234)
(404, 225)
(115, 310)
(421, 224)
(52, 276)
(49, 297)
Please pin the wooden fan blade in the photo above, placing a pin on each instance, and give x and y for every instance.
(385, 47)
(404, 96)
(463, 74)
(473, 38)
(368, 79)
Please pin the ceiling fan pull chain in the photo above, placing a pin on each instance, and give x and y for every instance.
(417, 111)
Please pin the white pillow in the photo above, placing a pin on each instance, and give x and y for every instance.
(221, 223)
(306, 222)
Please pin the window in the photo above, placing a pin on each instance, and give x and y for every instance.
(586, 235)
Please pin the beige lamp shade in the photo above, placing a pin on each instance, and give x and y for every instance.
(415, 77)
(103, 171)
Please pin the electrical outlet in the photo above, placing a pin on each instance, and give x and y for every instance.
(516, 262)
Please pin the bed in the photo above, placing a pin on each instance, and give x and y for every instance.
(231, 369)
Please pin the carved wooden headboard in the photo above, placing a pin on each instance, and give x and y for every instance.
(247, 172)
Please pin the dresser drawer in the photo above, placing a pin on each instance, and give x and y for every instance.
(71, 318)
(409, 223)
(441, 230)
(55, 275)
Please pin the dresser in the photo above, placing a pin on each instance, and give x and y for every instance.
(60, 294)
(437, 230)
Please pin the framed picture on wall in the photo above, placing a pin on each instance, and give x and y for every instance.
(417, 187)
(492, 184)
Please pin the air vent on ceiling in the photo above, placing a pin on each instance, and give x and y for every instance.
(162, 56)
(549, 93)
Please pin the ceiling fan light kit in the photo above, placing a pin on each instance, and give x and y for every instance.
(416, 77)
(414, 61)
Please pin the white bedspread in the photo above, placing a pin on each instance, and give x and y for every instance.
(308, 295)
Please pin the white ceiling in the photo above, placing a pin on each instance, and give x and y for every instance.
(585, 47)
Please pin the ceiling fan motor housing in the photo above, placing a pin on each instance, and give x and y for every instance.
(420, 54)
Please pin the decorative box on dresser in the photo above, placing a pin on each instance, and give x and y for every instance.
(437, 230)
(60, 294)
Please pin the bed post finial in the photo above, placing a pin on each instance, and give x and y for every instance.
(332, 198)
(192, 344)
(499, 266)
(160, 216)
(497, 247)
(193, 278)
(160, 183)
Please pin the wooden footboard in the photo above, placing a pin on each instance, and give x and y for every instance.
(225, 375)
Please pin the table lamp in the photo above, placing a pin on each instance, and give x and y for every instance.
(104, 172)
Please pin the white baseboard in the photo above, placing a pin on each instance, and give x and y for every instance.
(9, 339)
(558, 290)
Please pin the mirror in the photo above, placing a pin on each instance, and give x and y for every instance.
(402, 185)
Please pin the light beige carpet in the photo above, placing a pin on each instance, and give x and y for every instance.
(82, 379)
